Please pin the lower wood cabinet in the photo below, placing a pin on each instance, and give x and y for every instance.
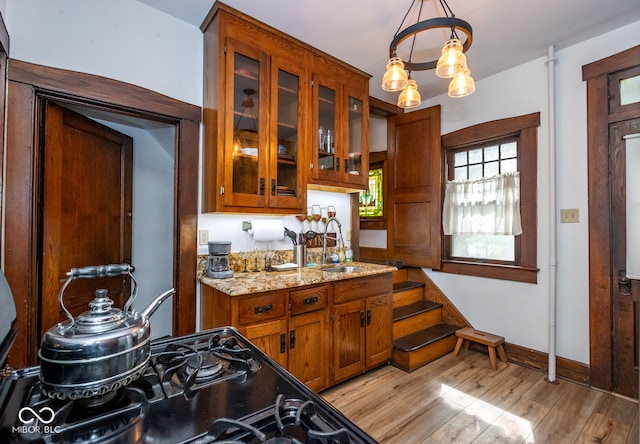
(362, 326)
(270, 337)
(309, 343)
(321, 334)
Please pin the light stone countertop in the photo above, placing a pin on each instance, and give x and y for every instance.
(248, 283)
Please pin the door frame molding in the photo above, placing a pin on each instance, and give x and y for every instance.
(596, 75)
(28, 83)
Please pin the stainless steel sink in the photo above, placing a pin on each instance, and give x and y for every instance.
(342, 269)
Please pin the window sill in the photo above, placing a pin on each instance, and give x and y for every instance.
(493, 271)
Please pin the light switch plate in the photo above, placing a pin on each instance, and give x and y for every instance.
(569, 216)
(203, 237)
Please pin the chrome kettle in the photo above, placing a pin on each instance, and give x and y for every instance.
(100, 350)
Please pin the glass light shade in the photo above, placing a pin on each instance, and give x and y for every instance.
(410, 96)
(452, 61)
(462, 85)
(395, 78)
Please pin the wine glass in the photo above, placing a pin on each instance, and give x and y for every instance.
(245, 255)
(301, 218)
(317, 215)
(309, 216)
(256, 252)
(267, 258)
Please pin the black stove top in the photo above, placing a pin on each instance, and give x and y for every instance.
(212, 386)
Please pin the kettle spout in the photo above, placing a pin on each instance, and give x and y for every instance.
(153, 306)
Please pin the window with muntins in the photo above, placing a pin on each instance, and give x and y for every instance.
(483, 161)
(482, 153)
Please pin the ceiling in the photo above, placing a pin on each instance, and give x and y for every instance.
(506, 33)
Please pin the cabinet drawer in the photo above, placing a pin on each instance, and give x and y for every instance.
(311, 299)
(350, 289)
(261, 308)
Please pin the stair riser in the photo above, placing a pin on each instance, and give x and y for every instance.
(400, 275)
(406, 297)
(409, 361)
(416, 322)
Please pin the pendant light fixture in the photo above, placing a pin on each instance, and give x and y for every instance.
(410, 96)
(451, 64)
(248, 107)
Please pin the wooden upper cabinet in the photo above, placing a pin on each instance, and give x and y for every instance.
(256, 95)
(266, 95)
(414, 176)
(340, 126)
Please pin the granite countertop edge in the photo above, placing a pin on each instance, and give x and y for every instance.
(249, 283)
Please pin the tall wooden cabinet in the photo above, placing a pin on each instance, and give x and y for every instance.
(265, 97)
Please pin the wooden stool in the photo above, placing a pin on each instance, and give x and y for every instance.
(491, 341)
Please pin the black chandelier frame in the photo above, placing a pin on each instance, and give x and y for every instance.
(450, 22)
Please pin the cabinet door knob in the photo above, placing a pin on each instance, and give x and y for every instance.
(362, 319)
(273, 187)
(262, 186)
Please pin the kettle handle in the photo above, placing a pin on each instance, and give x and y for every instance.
(97, 271)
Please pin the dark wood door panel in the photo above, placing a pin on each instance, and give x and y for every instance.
(414, 231)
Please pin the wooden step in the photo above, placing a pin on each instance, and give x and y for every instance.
(407, 292)
(419, 348)
(417, 316)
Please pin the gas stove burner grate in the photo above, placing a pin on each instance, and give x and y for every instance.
(288, 421)
(185, 368)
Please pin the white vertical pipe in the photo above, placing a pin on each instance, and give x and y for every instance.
(551, 94)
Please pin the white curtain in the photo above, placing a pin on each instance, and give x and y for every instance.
(490, 205)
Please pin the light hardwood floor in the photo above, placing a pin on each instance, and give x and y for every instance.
(461, 400)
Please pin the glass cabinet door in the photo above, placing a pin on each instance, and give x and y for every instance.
(245, 135)
(356, 156)
(353, 163)
(286, 188)
(327, 143)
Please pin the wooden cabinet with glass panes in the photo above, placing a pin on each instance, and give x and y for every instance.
(255, 97)
(260, 151)
(340, 123)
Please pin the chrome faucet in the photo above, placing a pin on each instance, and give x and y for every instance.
(326, 236)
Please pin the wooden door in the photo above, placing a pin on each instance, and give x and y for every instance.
(625, 291)
(86, 210)
(349, 340)
(414, 181)
(308, 360)
(270, 337)
(379, 341)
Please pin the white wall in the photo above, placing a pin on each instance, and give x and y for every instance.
(120, 39)
(152, 223)
(515, 310)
